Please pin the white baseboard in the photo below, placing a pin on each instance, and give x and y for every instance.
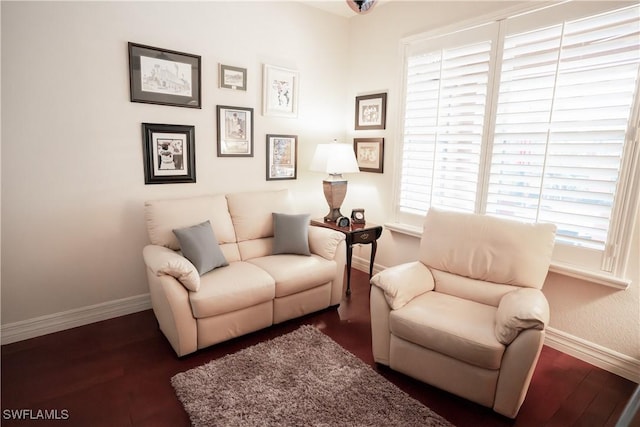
(362, 264)
(602, 357)
(31, 328)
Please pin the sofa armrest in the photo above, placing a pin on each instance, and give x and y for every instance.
(404, 282)
(525, 308)
(161, 260)
(324, 241)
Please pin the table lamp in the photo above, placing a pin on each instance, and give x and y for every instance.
(334, 159)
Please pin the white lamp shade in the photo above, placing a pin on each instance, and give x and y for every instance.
(334, 159)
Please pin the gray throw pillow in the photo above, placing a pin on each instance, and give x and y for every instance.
(291, 234)
(199, 245)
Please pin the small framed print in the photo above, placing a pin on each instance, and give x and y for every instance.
(369, 154)
(371, 111)
(233, 77)
(282, 157)
(235, 131)
(169, 153)
(161, 76)
(279, 92)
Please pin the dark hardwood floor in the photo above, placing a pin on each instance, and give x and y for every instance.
(117, 372)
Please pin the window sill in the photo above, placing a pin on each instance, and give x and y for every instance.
(590, 276)
(556, 267)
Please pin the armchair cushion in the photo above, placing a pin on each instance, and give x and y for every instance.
(525, 308)
(199, 245)
(402, 283)
(161, 260)
(487, 248)
(450, 326)
(291, 234)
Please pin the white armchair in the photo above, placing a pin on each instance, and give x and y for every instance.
(469, 316)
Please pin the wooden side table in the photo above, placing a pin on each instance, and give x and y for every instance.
(355, 234)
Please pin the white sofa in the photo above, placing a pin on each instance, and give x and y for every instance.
(255, 288)
(468, 316)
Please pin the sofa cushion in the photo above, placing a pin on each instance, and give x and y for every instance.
(164, 216)
(199, 245)
(296, 273)
(236, 286)
(291, 234)
(251, 212)
(487, 248)
(255, 248)
(451, 326)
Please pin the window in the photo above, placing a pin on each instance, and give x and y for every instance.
(530, 117)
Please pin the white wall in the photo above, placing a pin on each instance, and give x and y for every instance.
(600, 315)
(72, 166)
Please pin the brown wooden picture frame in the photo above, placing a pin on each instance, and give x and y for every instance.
(369, 154)
(371, 111)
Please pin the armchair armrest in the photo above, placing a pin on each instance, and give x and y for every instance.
(161, 260)
(324, 241)
(404, 282)
(526, 308)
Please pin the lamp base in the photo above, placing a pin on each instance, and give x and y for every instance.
(334, 192)
(333, 215)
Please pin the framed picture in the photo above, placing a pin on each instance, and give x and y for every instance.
(233, 77)
(161, 76)
(370, 154)
(280, 92)
(371, 111)
(282, 157)
(169, 153)
(235, 131)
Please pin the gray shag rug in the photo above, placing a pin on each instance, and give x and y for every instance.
(303, 378)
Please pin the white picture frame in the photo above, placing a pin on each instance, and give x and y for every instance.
(279, 91)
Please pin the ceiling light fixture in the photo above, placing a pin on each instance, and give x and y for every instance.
(361, 6)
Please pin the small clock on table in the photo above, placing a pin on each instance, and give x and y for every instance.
(357, 216)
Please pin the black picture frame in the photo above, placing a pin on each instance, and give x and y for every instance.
(165, 77)
(371, 111)
(169, 153)
(282, 157)
(235, 131)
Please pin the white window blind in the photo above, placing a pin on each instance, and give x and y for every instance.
(566, 94)
(444, 120)
(537, 130)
